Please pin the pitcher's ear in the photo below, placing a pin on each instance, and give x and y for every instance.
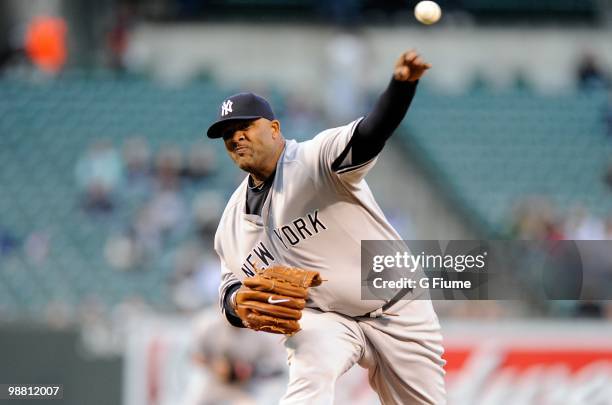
(275, 124)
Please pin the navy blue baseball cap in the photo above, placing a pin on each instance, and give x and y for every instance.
(241, 106)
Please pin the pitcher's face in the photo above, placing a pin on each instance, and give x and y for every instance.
(251, 144)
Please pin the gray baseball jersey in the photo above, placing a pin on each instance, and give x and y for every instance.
(314, 217)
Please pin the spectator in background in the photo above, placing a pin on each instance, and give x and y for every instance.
(553, 231)
(144, 232)
(98, 174)
(233, 365)
(154, 223)
(59, 314)
(590, 74)
(12, 44)
(45, 43)
(123, 251)
(581, 225)
(137, 161)
(118, 37)
(165, 211)
(37, 246)
(201, 162)
(168, 166)
(163, 214)
(535, 219)
(95, 326)
(195, 279)
(8, 241)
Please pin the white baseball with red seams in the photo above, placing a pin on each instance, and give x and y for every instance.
(428, 12)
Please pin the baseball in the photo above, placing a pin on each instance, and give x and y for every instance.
(427, 12)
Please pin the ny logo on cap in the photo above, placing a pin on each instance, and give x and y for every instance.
(226, 107)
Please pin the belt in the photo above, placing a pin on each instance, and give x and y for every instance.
(382, 310)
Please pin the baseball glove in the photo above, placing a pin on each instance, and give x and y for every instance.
(272, 300)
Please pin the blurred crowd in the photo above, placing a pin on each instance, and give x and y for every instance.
(163, 202)
(537, 219)
(592, 74)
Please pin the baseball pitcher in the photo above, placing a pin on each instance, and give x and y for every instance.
(289, 241)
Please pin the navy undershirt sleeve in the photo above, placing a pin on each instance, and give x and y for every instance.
(231, 316)
(374, 130)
